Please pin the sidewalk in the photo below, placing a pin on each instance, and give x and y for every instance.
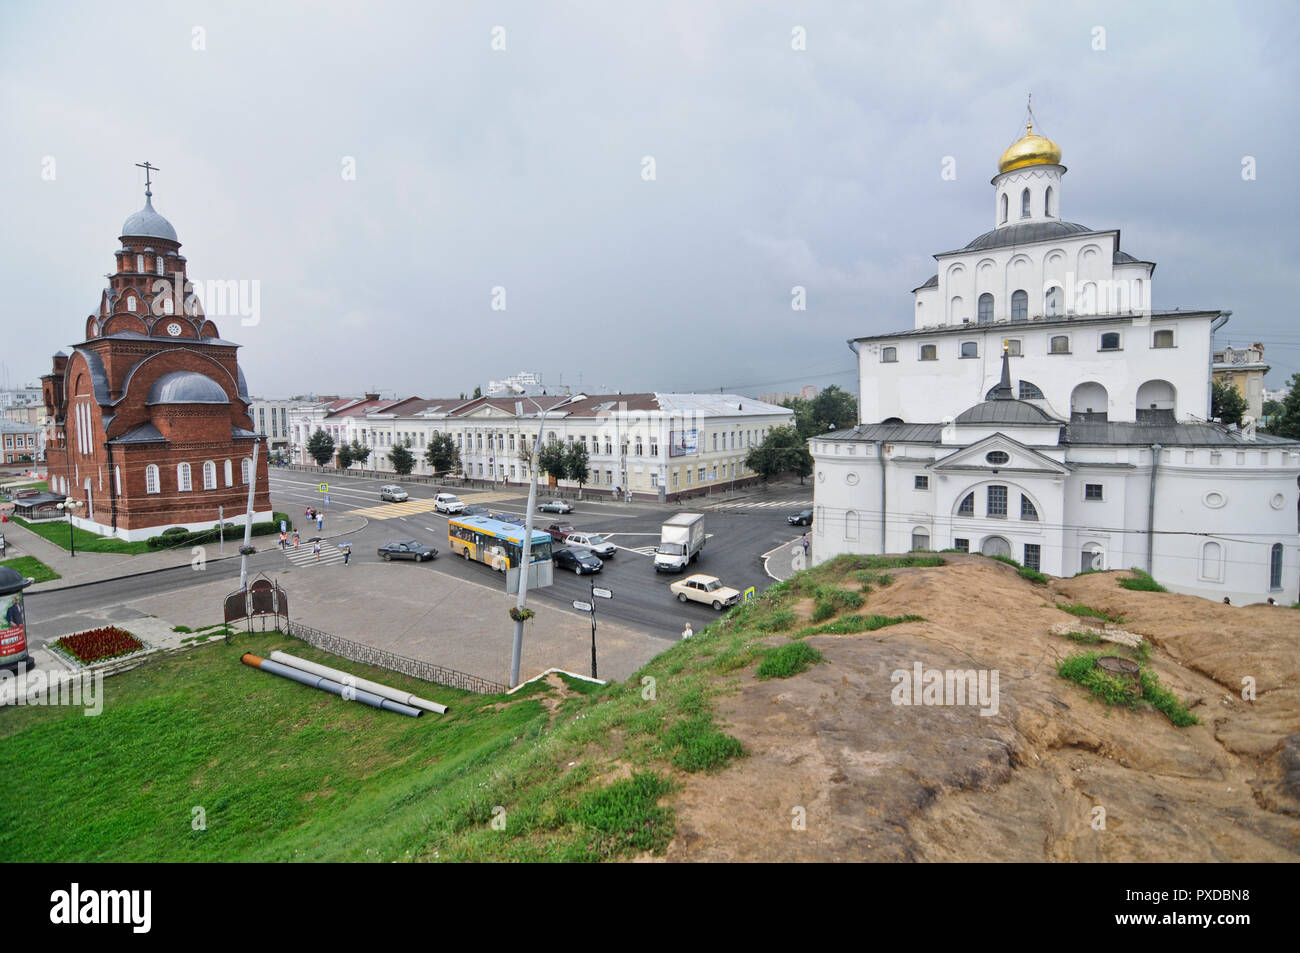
(787, 559)
(87, 567)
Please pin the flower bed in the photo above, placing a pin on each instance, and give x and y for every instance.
(98, 645)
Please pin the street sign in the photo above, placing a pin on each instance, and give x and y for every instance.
(323, 488)
(602, 593)
(327, 499)
(750, 594)
(581, 606)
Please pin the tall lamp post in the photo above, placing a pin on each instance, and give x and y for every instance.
(70, 507)
(526, 558)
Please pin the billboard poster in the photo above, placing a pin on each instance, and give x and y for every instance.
(13, 630)
(683, 443)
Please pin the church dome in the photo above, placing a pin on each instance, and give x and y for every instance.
(1028, 150)
(186, 387)
(147, 223)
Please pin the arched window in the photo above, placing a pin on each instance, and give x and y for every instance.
(245, 470)
(920, 539)
(1027, 509)
(130, 302)
(819, 521)
(151, 478)
(229, 474)
(158, 264)
(967, 507)
(929, 352)
(1275, 567)
(1052, 302)
(970, 349)
(183, 478)
(139, 263)
(851, 525)
(1212, 562)
(1110, 341)
(888, 355)
(1060, 344)
(1163, 338)
(1030, 391)
(1019, 306)
(1024, 204)
(209, 475)
(1047, 201)
(985, 313)
(1004, 207)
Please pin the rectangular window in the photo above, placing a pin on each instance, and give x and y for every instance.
(701, 475)
(674, 479)
(1092, 491)
(1033, 556)
(997, 502)
(921, 483)
(1013, 347)
(970, 349)
(1162, 338)
(1060, 345)
(654, 480)
(688, 476)
(961, 545)
(929, 352)
(888, 355)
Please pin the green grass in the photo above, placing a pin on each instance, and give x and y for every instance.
(697, 745)
(181, 628)
(56, 532)
(31, 567)
(1087, 612)
(1082, 669)
(789, 659)
(831, 599)
(1089, 637)
(38, 485)
(853, 624)
(1142, 582)
(1033, 575)
(892, 562)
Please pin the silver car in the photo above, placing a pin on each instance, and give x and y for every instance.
(392, 493)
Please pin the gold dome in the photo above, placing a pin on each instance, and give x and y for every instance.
(1029, 149)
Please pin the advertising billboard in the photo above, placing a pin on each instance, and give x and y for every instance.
(13, 630)
(683, 443)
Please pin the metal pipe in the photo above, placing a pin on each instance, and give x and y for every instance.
(525, 558)
(387, 691)
(248, 519)
(853, 346)
(880, 455)
(346, 692)
(1151, 509)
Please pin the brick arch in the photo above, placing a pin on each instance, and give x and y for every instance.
(158, 328)
(141, 377)
(209, 330)
(125, 321)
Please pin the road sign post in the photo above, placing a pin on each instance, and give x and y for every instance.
(596, 593)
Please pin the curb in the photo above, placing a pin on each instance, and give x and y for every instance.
(768, 555)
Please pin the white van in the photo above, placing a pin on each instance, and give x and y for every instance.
(448, 503)
(392, 493)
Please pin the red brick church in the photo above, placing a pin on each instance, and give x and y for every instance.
(150, 423)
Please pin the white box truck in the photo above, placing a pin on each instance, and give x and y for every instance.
(680, 541)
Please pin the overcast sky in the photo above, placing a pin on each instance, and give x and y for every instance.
(523, 169)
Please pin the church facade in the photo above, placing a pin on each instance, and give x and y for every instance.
(1040, 409)
(149, 415)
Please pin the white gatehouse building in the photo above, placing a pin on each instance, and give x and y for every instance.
(1039, 409)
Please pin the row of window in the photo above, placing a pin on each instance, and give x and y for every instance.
(1057, 344)
(1025, 204)
(184, 481)
(17, 442)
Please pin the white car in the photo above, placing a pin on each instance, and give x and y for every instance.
(596, 543)
(706, 589)
(448, 503)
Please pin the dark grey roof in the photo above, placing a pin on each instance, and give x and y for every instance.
(175, 342)
(147, 223)
(902, 433)
(145, 433)
(1003, 327)
(186, 387)
(243, 384)
(98, 376)
(59, 354)
(240, 432)
(1121, 257)
(931, 282)
(1024, 234)
(1006, 412)
(1177, 435)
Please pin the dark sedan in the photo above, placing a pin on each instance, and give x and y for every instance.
(554, 506)
(802, 518)
(508, 518)
(579, 560)
(407, 549)
(560, 530)
(474, 511)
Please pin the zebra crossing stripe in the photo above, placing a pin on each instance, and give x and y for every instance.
(303, 556)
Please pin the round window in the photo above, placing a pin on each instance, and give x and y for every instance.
(997, 457)
(1214, 499)
(851, 479)
(1277, 501)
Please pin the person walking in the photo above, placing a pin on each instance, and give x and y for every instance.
(805, 545)
(687, 632)
(315, 550)
(347, 553)
(320, 522)
(296, 539)
(284, 539)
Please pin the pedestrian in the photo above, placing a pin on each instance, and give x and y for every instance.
(320, 522)
(315, 550)
(284, 539)
(805, 544)
(686, 632)
(296, 539)
(347, 554)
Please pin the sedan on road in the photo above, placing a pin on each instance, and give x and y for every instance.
(508, 518)
(407, 549)
(474, 510)
(802, 518)
(559, 531)
(579, 560)
(706, 589)
(599, 545)
(554, 506)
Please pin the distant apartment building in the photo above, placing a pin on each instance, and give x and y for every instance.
(23, 443)
(1243, 369)
(530, 382)
(271, 420)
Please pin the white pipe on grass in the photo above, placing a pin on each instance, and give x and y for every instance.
(385, 691)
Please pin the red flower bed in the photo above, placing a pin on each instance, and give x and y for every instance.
(96, 645)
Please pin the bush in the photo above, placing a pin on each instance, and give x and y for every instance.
(831, 600)
(175, 531)
(626, 817)
(1082, 669)
(700, 746)
(790, 659)
(1142, 583)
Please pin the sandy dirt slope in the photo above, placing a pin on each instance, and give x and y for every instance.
(879, 781)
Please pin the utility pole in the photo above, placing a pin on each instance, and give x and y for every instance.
(248, 521)
(526, 557)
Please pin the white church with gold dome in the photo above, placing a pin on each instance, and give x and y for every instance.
(1040, 409)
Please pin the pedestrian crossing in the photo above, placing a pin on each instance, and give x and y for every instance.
(303, 556)
(390, 511)
(793, 505)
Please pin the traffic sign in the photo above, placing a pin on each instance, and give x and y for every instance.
(323, 488)
(581, 606)
(750, 594)
(602, 593)
(327, 499)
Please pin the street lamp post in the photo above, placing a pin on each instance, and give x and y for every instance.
(69, 507)
(526, 559)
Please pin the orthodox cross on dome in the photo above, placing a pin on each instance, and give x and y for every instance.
(147, 170)
(1029, 114)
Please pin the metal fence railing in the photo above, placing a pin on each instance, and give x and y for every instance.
(369, 655)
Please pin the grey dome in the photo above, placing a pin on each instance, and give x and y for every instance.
(147, 223)
(243, 384)
(1025, 233)
(186, 387)
(1005, 412)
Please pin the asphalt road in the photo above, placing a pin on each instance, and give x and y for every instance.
(733, 552)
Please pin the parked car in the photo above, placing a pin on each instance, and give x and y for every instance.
(706, 589)
(508, 518)
(407, 549)
(802, 518)
(579, 560)
(559, 531)
(474, 510)
(448, 503)
(554, 506)
(392, 493)
(597, 544)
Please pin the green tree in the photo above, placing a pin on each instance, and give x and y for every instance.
(359, 452)
(1289, 425)
(554, 459)
(831, 409)
(577, 465)
(783, 450)
(344, 456)
(478, 392)
(1226, 403)
(321, 447)
(402, 459)
(442, 454)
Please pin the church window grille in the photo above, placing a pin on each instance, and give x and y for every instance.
(183, 478)
(209, 475)
(151, 478)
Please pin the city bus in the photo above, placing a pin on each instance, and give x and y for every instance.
(494, 543)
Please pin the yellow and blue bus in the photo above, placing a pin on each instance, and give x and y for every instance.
(494, 543)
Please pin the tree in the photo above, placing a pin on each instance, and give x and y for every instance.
(359, 452)
(1226, 403)
(577, 464)
(478, 392)
(442, 454)
(782, 451)
(321, 447)
(402, 459)
(831, 409)
(344, 456)
(553, 459)
(1289, 425)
